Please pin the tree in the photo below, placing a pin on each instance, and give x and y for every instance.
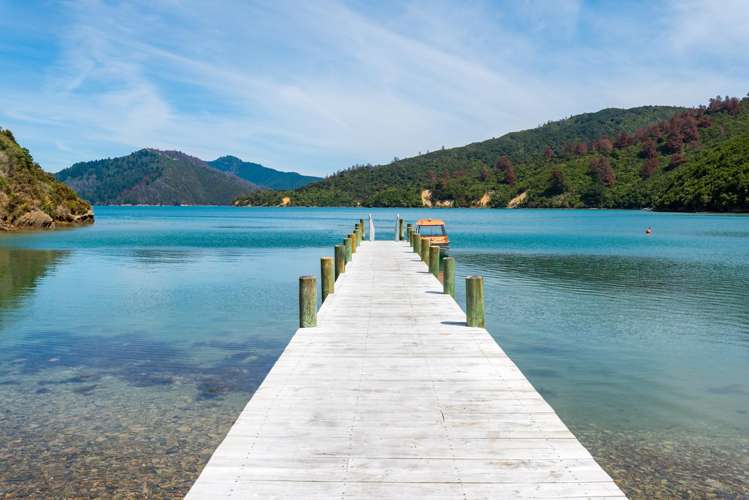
(510, 176)
(649, 167)
(623, 140)
(676, 160)
(557, 183)
(603, 145)
(549, 153)
(502, 163)
(484, 174)
(505, 165)
(581, 149)
(601, 170)
(648, 148)
(674, 142)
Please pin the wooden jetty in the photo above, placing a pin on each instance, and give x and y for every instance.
(392, 395)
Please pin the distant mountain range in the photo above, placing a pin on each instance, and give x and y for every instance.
(263, 177)
(154, 177)
(660, 157)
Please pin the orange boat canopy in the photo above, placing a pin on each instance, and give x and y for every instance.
(430, 222)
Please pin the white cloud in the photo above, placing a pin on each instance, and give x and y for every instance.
(318, 86)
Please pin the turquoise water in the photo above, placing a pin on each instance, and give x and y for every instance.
(128, 347)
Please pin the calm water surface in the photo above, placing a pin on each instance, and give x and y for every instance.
(128, 348)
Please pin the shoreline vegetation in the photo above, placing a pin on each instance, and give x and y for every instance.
(32, 199)
(653, 157)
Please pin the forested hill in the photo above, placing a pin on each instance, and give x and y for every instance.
(260, 175)
(153, 177)
(30, 198)
(660, 157)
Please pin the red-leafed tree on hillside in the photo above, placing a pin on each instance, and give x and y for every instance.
(649, 149)
(603, 145)
(649, 167)
(504, 165)
(601, 170)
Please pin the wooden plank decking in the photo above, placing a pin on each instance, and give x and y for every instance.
(392, 396)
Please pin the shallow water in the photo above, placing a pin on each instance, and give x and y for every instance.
(128, 348)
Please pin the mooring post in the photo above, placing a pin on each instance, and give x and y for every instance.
(400, 229)
(425, 250)
(348, 248)
(409, 232)
(475, 301)
(307, 301)
(353, 242)
(361, 230)
(326, 272)
(340, 260)
(448, 283)
(417, 245)
(434, 260)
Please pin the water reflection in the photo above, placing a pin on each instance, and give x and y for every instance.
(20, 271)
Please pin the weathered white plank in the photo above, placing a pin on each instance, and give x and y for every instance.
(392, 396)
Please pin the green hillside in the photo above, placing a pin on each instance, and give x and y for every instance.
(153, 177)
(31, 198)
(260, 175)
(660, 157)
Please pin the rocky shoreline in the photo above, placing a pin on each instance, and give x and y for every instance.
(32, 199)
(39, 220)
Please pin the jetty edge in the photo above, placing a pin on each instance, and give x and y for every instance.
(390, 394)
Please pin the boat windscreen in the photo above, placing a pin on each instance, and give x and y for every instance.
(432, 230)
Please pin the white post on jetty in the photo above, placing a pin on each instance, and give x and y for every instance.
(395, 233)
(371, 229)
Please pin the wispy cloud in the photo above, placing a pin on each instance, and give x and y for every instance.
(317, 86)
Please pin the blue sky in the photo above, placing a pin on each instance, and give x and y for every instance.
(318, 86)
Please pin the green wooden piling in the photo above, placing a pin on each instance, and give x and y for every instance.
(434, 260)
(349, 249)
(307, 301)
(362, 228)
(425, 250)
(448, 282)
(327, 284)
(417, 245)
(475, 301)
(409, 233)
(340, 260)
(400, 229)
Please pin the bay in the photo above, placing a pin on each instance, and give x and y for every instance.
(128, 348)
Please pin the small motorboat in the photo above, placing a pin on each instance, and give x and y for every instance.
(434, 231)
